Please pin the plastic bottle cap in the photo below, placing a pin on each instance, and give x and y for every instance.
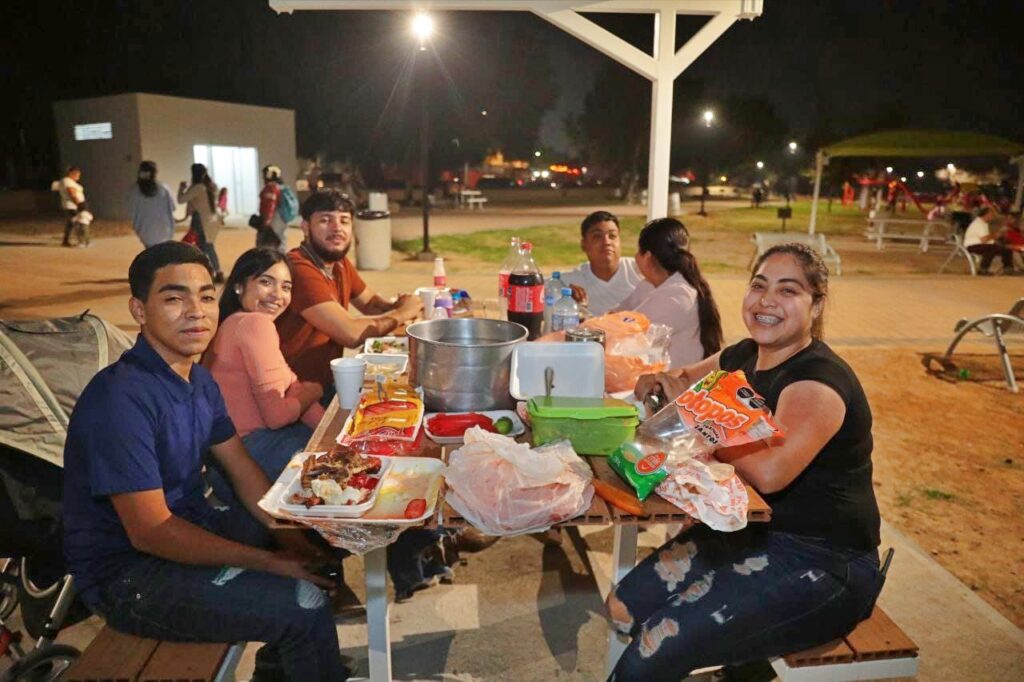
(566, 291)
(556, 275)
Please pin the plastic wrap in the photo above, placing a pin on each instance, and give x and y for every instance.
(502, 487)
(694, 487)
(633, 346)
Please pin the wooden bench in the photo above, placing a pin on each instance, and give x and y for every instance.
(924, 232)
(116, 657)
(765, 240)
(877, 649)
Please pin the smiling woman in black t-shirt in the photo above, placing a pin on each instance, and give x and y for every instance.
(811, 574)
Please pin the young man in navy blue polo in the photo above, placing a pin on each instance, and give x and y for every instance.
(146, 550)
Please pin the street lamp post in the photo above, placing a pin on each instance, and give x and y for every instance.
(422, 28)
(709, 118)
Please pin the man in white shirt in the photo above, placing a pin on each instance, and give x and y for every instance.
(72, 195)
(979, 240)
(606, 279)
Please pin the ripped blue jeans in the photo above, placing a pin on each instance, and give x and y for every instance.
(170, 601)
(708, 598)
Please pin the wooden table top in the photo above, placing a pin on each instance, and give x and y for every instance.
(600, 513)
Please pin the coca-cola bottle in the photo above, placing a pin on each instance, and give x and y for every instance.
(526, 293)
(510, 261)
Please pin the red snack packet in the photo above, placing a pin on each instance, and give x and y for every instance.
(724, 409)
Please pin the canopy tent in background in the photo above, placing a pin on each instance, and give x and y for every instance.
(919, 144)
(661, 67)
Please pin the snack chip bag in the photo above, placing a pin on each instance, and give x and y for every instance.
(721, 408)
(393, 414)
(641, 470)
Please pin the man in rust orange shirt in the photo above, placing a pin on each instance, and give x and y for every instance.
(317, 326)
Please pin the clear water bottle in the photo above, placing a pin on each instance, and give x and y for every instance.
(552, 292)
(566, 314)
(507, 265)
(443, 302)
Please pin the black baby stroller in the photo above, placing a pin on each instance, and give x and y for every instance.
(44, 366)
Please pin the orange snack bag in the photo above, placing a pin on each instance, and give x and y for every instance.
(724, 409)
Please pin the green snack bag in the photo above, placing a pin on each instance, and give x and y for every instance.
(643, 472)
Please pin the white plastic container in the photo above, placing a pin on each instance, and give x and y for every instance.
(292, 483)
(579, 370)
(392, 364)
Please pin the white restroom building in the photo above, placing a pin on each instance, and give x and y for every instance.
(107, 137)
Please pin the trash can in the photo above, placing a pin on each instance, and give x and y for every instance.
(378, 201)
(674, 204)
(373, 240)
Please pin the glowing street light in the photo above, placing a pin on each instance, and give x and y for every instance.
(483, 112)
(537, 153)
(792, 147)
(888, 169)
(951, 168)
(709, 117)
(422, 28)
(723, 178)
(760, 165)
(920, 174)
(903, 178)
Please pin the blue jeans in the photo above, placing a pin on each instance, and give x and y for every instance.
(271, 448)
(709, 598)
(170, 601)
(204, 245)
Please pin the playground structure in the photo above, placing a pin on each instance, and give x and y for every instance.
(917, 144)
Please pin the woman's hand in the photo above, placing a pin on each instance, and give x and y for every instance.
(306, 392)
(669, 384)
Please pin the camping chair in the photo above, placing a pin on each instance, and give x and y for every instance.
(994, 325)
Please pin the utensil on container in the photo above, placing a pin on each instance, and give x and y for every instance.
(463, 364)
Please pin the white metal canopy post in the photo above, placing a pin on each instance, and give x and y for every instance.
(661, 68)
(820, 161)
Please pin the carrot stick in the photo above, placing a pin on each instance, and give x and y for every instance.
(619, 498)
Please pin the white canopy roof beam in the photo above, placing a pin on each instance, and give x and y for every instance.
(661, 69)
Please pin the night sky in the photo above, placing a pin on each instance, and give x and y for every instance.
(829, 68)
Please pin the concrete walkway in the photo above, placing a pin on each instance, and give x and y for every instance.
(520, 611)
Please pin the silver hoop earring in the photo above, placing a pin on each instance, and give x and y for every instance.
(238, 291)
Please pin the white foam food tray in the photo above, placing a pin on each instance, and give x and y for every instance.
(291, 483)
(579, 369)
(517, 425)
(391, 364)
(387, 344)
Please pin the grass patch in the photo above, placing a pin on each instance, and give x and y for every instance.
(936, 494)
(559, 244)
(904, 499)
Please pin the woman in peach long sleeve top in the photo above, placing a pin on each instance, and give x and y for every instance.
(274, 412)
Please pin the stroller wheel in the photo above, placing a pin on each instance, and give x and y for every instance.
(8, 590)
(42, 665)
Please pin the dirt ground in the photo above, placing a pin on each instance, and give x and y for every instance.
(949, 452)
(949, 466)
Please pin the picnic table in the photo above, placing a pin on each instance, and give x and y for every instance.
(925, 232)
(472, 198)
(625, 528)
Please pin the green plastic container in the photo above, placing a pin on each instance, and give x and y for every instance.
(595, 426)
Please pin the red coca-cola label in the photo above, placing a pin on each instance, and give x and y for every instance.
(502, 285)
(526, 299)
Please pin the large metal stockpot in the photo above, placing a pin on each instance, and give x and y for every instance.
(463, 363)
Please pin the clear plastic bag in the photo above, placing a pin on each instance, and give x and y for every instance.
(502, 487)
(633, 346)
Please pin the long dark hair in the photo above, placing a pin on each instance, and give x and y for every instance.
(200, 175)
(147, 178)
(669, 242)
(816, 273)
(252, 263)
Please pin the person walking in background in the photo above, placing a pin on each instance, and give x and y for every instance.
(278, 206)
(72, 195)
(201, 197)
(151, 206)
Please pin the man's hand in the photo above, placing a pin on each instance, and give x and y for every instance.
(294, 540)
(291, 566)
(670, 385)
(579, 294)
(408, 306)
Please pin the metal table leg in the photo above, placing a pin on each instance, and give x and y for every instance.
(623, 560)
(378, 617)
